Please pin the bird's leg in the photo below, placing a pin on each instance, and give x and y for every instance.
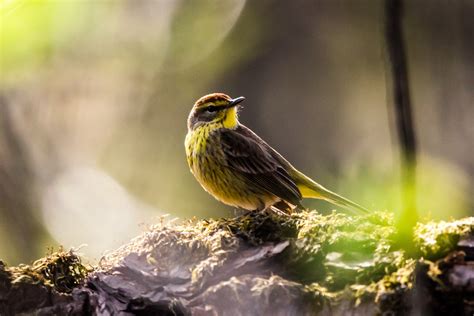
(281, 208)
(239, 212)
(284, 207)
(278, 211)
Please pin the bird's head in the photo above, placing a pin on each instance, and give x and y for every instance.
(215, 108)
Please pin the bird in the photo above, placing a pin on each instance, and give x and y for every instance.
(239, 168)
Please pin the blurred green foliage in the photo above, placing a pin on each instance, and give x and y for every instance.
(33, 31)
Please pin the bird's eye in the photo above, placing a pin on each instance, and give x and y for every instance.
(212, 109)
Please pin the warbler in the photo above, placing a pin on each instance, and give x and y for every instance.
(240, 169)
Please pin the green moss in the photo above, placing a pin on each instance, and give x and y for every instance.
(61, 270)
(436, 239)
(333, 257)
(255, 228)
(390, 284)
(337, 256)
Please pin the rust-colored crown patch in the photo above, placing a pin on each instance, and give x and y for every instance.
(214, 98)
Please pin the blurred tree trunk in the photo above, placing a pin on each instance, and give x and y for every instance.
(18, 196)
(402, 108)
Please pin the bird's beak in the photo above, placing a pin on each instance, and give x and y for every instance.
(235, 102)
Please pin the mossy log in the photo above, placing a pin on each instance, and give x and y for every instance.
(258, 264)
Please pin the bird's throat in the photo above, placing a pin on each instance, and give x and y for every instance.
(196, 139)
(230, 119)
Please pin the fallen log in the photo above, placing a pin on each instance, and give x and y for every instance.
(258, 264)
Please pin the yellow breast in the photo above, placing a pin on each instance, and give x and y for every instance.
(207, 163)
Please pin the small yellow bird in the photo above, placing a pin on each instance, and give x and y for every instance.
(238, 168)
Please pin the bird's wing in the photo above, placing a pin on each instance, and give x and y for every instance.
(245, 154)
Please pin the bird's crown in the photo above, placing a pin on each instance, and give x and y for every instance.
(216, 99)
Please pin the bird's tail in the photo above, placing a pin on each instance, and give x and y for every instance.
(311, 189)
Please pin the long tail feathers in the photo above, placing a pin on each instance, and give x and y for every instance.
(311, 189)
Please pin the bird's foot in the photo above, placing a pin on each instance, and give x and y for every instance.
(236, 212)
(278, 211)
(283, 207)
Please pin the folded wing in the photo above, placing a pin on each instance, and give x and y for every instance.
(246, 155)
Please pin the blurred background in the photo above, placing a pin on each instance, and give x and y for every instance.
(94, 97)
